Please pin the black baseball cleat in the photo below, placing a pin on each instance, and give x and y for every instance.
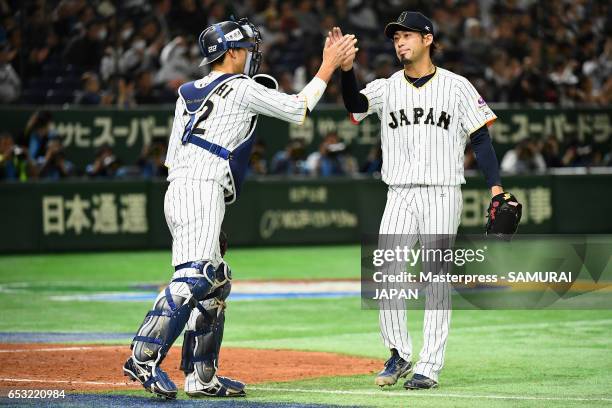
(152, 378)
(395, 368)
(420, 382)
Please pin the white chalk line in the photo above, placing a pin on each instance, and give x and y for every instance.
(408, 394)
(477, 329)
(25, 380)
(340, 392)
(53, 349)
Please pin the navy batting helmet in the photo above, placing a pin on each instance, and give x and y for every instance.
(220, 37)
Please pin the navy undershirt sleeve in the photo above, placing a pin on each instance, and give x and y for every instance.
(485, 156)
(354, 101)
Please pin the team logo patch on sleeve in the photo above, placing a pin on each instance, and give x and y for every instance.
(481, 101)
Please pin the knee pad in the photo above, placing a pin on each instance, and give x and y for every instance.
(201, 346)
(207, 279)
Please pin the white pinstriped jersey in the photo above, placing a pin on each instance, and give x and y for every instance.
(424, 130)
(228, 123)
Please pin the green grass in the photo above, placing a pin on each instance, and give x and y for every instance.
(528, 354)
(154, 266)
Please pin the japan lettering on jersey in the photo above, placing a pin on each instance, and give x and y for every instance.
(226, 122)
(424, 130)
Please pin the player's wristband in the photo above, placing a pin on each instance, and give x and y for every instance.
(313, 92)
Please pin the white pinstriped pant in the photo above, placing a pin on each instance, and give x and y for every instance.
(194, 212)
(414, 211)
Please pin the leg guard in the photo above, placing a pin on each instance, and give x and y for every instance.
(161, 327)
(173, 306)
(201, 347)
(203, 338)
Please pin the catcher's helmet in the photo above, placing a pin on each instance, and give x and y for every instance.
(220, 37)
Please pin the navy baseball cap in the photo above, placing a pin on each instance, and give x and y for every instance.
(410, 21)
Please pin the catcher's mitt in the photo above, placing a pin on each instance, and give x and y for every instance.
(504, 215)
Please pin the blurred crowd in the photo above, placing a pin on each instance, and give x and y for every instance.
(534, 155)
(135, 52)
(38, 153)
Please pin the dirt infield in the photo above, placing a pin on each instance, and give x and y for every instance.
(95, 367)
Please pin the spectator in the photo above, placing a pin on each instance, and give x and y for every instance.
(529, 37)
(550, 152)
(383, 66)
(10, 84)
(15, 165)
(258, 165)
(362, 15)
(285, 82)
(135, 57)
(469, 159)
(112, 63)
(86, 49)
(187, 15)
(44, 54)
(337, 161)
(38, 131)
(475, 47)
(524, 158)
(144, 93)
(303, 73)
(161, 10)
(332, 158)
(90, 93)
(176, 65)
(105, 165)
(307, 18)
(499, 76)
(291, 160)
(152, 159)
(54, 165)
(578, 154)
(288, 22)
(363, 72)
(373, 164)
(124, 91)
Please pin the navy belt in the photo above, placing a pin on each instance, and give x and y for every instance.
(213, 148)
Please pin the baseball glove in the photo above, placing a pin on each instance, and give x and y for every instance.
(504, 215)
